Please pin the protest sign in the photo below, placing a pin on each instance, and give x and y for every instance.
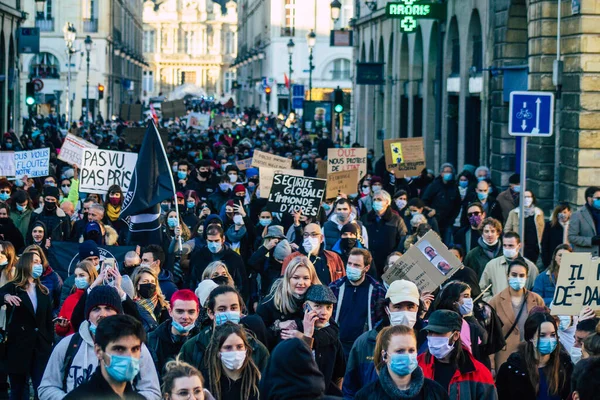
(347, 159)
(72, 149)
(198, 121)
(173, 109)
(33, 163)
(7, 163)
(135, 136)
(103, 168)
(290, 194)
(224, 120)
(343, 181)
(577, 285)
(131, 112)
(268, 160)
(244, 164)
(428, 263)
(322, 169)
(266, 178)
(404, 156)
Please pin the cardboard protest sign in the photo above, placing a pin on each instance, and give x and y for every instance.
(131, 112)
(7, 163)
(72, 149)
(577, 285)
(224, 120)
(322, 169)
(404, 156)
(290, 194)
(268, 160)
(266, 178)
(33, 163)
(198, 121)
(428, 263)
(135, 136)
(343, 181)
(173, 109)
(347, 159)
(103, 168)
(244, 164)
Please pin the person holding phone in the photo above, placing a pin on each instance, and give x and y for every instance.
(85, 273)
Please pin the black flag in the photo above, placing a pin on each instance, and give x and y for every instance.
(152, 181)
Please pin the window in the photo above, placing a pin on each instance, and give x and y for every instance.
(148, 81)
(477, 53)
(230, 42)
(149, 38)
(229, 78)
(341, 69)
(188, 77)
(45, 66)
(455, 70)
(290, 18)
(90, 9)
(346, 12)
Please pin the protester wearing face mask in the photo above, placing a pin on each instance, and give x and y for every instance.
(442, 195)
(495, 271)
(217, 200)
(555, 232)
(151, 303)
(468, 236)
(534, 226)
(545, 283)
(348, 241)
(482, 194)
(400, 202)
(58, 223)
(189, 211)
(224, 305)
(182, 181)
(584, 227)
(357, 296)
(509, 199)
(269, 256)
(218, 273)
(539, 368)
(400, 307)
(21, 211)
(450, 364)
(399, 375)
(416, 206)
(112, 207)
(513, 305)
(343, 214)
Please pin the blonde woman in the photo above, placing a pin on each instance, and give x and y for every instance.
(8, 260)
(153, 307)
(218, 272)
(282, 308)
(85, 274)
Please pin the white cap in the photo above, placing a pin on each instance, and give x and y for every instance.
(203, 290)
(403, 290)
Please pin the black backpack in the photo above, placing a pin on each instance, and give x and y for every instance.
(72, 349)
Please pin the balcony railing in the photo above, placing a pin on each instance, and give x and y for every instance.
(45, 25)
(90, 25)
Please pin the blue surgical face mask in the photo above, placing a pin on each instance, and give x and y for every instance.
(21, 208)
(180, 328)
(165, 207)
(447, 176)
(232, 316)
(403, 364)
(172, 221)
(517, 189)
(546, 345)
(482, 196)
(265, 221)
(326, 206)
(37, 270)
(377, 206)
(481, 178)
(224, 187)
(462, 184)
(304, 165)
(191, 204)
(596, 204)
(516, 283)
(214, 247)
(123, 368)
(466, 307)
(4, 196)
(93, 329)
(353, 274)
(181, 174)
(9, 146)
(81, 283)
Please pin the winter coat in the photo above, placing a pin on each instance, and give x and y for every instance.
(57, 222)
(163, 348)
(376, 293)
(54, 283)
(201, 257)
(263, 262)
(84, 364)
(360, 370)
(496, 273)
(10, 233)
(512, 223)
(66, 311)
(553, 237)
(507, 203)
(420, 388)
(513, 379)
(471, 381)
(477, 259)
(30, 333)
(503, 306)
(22, 220)
(97, 388)
(167, 286)
(385, 235)
(334, 262)
(464, 236)
(545, 285)
(329, 355)
(332, 231)
(582, 228)
(445, 199)
(151, 322)
(271, 316)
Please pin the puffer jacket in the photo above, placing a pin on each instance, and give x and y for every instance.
(545, 285)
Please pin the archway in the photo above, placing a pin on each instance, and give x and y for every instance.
(452, 66)
(472, 142)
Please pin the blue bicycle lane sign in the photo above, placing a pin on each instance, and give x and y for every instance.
(531, 114)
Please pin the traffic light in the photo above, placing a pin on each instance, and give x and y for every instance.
(268, 93)
(29, 94)
(338, 100)
(100, 91)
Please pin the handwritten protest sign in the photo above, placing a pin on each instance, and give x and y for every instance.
(136, 136)
(290, 194)
(347, 159)
(198, 121)
(577, 285)
(404, 156)
(224, 120)
(322, 169)
(72, 149)
(7, 163)
(244, 164)
(428, 263)
(131, 112)
(266, 178)
(103, 168)
(268, 160)
(32, 163)
(343, 181)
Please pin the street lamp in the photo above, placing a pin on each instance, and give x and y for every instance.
(70, 33)
(336, 8)
(88, 48)
(290, 48)
(311, 40)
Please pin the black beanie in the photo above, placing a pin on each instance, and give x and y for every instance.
(103, 296)
(351, 228)
(51, 191)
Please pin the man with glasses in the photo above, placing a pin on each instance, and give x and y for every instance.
(468, 236)
(5, 190)
(482, 195)
(584, 228)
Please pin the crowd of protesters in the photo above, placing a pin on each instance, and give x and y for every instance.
(233, 301)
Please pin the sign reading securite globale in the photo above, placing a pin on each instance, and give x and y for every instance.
(408, 11)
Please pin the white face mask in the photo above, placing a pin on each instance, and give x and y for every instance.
(510, 253)
(401, 204)
(575, 354)
(238, 219)
(311, 245)
(406, 318)
(439, 347)
(366, 190)
(528, 202)
(233, 360)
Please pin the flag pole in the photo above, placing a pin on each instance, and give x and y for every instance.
(162, 147)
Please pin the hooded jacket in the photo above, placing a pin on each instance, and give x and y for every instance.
(83, 366)
(445, 199)
(57, 222)
(332, 230)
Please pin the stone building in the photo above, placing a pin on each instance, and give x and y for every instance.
(189, 42)
(449, 80)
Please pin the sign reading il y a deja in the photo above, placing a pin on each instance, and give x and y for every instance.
(103, 168)
(578, 284)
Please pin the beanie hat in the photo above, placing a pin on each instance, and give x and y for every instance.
(89, 248)
(282, 250)
(103, 296)
(51, 191)
(375, 179)
(203, 290)
(350, 228)
(515, 179)
(251, 172)
(239, 188)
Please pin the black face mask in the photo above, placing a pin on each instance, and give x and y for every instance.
(204, 174)
(220, 280)
(49, 206)
(348, 243)
(147, 290)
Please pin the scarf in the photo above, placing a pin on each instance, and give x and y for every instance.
(113, 212)
(417, 380)
(490, 251)
(235, 236)
(463, 192)
(149, 305)
(529, 211)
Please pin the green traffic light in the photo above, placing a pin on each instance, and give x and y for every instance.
(30, 101)
(339, 108)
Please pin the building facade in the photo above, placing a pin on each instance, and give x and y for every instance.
(115, 57)
(449, 81)
(189, 42)
(265, 29)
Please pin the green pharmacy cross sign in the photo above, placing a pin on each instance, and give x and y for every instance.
(408, 11)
